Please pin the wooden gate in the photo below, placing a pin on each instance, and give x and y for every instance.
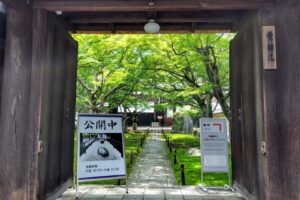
(246, 100)
(58, 111)
(2, 43)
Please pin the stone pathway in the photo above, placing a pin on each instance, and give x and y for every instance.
(153, 167)
(152, 178)
(95, 192)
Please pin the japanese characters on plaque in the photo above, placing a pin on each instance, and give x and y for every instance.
(99, 125)
(269, 47)
(100, 147)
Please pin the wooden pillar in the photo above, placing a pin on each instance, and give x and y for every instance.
(281, 89)
(277, 106)
(273, 189)
(17, 162)
(2, 42)
(38, 74)
(39, 80)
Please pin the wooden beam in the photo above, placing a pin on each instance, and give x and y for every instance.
(128, 29)
(17, 3)
(163, 17)
(144, 20)
(152, 14)
(67, 25)
(143, 5)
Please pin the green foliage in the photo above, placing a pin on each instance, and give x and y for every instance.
(187, 111)
(190, 69)
(108, 72)
(182, 142)
(178, 124)
(131, 70)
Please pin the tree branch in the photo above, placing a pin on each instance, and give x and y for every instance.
(113, 91)
(84, 85)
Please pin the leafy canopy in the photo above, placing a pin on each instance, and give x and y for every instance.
(173, 70)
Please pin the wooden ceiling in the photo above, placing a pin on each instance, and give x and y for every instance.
(170, 21)
(174, 16)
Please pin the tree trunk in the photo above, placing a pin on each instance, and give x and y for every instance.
(209, 111)
(212, 72)
(125, 120)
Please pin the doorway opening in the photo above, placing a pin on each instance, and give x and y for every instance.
(169, 79)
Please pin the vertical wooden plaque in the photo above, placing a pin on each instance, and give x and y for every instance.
(269, 47)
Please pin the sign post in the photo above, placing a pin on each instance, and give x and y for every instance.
(214, 147)
(100, 149)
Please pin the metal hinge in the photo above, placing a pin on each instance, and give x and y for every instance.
(41, 146)
(263, 147)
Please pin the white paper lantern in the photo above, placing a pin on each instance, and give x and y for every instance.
(152, 27)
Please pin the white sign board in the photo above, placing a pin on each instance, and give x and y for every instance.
(100, 152)
(154, 124)
(214, 146)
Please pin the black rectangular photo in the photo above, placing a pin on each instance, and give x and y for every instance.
(100, 146)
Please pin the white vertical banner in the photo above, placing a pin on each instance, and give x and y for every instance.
(214, 145)
(101, 153)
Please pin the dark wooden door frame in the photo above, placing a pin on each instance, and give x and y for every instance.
(2, 42)
(57, 108)
(22, 117)
(246, 106)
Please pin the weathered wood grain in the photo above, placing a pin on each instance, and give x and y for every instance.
(165, 28)
(279, 95)
(37, 91)
(161, 17)
(269, 89)
(38, 104)
(280, 108)
(56, 166)
(143, 5)
(69, 112)
(179, 16)
(18, 4)
(15, 143)
(2, 46)
(246, 133)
